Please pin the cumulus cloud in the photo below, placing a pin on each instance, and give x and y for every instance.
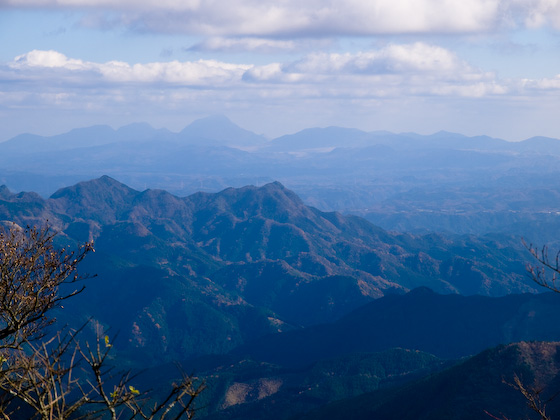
(200, 72)
(396, 72)
(262, 18)
(323, 85)
(417, 57)
(545, 84)
(402, 59)
(48, 59)
(537, 13)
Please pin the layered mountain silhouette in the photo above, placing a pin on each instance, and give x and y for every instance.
(272, 295)
(218, 129)
(443, 182)
(238, 264)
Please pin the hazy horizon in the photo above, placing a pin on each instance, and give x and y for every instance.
(268, 138)
(472, 67)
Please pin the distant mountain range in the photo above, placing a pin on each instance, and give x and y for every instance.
(408, 182)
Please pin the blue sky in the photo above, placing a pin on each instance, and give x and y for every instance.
(275, 67)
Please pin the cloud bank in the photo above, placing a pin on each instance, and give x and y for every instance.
(405, 64)
(396, 73)
(397, 69)
(266, 18)
(201, 72)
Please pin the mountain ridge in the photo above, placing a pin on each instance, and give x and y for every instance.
(480, 387)
(220, 129)
(256, 276)
(448, 326)
(444, 182)
(251, 250)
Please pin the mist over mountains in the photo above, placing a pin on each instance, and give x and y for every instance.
(283, 292)
(442, 182)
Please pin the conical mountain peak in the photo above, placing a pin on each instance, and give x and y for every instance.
(100, 199)
(220, 129)
(101, 183)
(271, 201)
(5, 192)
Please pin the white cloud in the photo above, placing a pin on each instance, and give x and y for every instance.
(537, 13)
(403, 58)
(330, 84)
(551, 85)
(48, 59)
(319, 18)
(200, 72)
(262, 18)
(244, 44)
(396, 70)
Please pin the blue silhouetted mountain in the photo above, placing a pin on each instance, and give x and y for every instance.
(219, 130)
(80, 138)
(444, 182)
(322, 138)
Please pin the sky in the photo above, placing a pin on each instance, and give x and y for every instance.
(276, 67)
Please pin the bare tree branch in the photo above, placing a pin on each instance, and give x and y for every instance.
(547, 272)
(31, 272)
(57, 378)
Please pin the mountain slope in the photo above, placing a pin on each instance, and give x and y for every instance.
(468, 391)
(250, 389)
(252, 261)
(443, 182)
(448, 326)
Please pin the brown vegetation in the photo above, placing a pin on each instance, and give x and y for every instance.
(39, 374)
